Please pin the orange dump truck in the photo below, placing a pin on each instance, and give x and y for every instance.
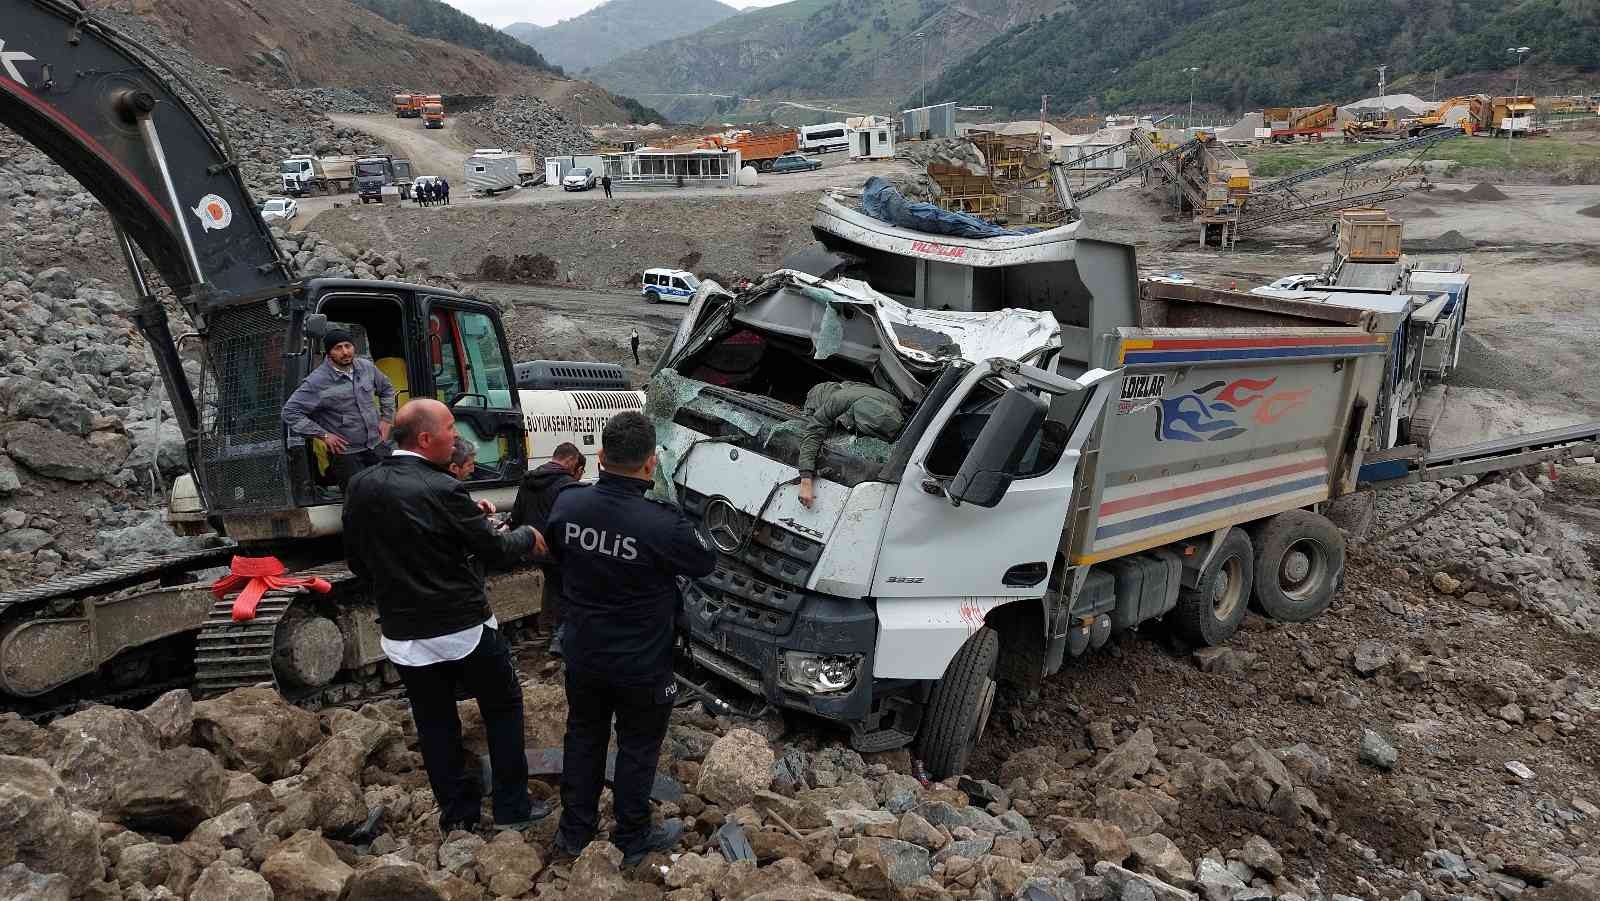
(755, 150)
(433, 114)
(407, 106)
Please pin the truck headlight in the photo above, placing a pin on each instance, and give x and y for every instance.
(820, 673)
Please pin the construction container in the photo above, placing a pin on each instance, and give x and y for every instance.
(487, 172)
(1368, 234)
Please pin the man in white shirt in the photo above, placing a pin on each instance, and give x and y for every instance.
(414, 533)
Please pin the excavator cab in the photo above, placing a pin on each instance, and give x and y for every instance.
(267, 484)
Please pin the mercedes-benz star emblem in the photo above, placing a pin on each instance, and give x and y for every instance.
(726, 526)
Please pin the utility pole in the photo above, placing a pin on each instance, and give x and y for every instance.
(1515, 91)
(1187, 123)
(1383, 105)
(923, 36)
(1044, 104)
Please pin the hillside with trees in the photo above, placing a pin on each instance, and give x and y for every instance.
(616, 27)
(435, 19)
(1255, 53)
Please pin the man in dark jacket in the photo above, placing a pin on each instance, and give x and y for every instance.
(535, 497)
(621, 557)
(415, 535)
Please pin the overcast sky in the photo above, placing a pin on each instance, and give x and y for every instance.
(501, 13)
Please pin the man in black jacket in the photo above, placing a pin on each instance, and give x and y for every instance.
(415, 535)
(621, 556)
(535, 496)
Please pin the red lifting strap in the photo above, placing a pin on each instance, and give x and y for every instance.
(255, 575)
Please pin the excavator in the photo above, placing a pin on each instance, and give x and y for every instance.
(130, 129)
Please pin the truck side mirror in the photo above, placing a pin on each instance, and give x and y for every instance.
(316, 326)
(991, 464)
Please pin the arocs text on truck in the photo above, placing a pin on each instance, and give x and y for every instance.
(1075, 463)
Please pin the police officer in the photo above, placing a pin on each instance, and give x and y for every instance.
(621, 556)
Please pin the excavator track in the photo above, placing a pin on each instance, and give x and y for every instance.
(114, 578)
(232, 654)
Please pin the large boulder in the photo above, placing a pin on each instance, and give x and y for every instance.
(170, 791)
(39, 826)
(221, 881)
(509, 864)
(353, 738)
(172, 716)
(393, 879)
(1129, 760)
(736, 767)
(18, 883)
(99, 746)
(54, 453)
(885, 866)
(305, 868)
(255, 730)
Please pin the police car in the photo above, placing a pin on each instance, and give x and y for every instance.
(668, 284)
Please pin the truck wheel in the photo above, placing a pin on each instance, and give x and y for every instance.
(764, 165)
(652, 297)
(953, 722)
(1299, 558)
(1209, 613)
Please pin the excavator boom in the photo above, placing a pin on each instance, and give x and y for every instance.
(91, 100)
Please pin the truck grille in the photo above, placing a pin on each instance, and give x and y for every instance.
(763, 585)
(243, 463)
(776, 553)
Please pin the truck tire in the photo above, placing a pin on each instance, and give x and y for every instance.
(1209, 613)
(1298, 560)
(959, 707)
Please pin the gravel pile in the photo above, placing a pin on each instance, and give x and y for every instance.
(1497, 548)
(519, 123)
(946, 151)
(328, 100)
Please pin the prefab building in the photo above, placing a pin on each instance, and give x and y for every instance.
(653, 167)
(871, 137)
(490, 171)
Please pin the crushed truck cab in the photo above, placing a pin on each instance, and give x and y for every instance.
(1077, 459)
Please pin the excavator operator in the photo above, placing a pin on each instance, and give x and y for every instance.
(348, 403)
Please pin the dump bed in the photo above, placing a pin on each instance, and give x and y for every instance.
(1219, 426)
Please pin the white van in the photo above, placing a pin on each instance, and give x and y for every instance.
(668, 284)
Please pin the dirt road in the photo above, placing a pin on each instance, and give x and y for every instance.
(572, 324)
(432, 151)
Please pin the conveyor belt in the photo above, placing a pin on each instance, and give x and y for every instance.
(1409, 466)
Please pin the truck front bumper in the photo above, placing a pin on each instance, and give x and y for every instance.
(755, 646)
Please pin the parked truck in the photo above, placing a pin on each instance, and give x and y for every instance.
(1076, 460)
(407, 105)
(758, 150)
(374, 173)
(317, 175)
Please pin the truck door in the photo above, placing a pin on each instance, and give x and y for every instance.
(468, 366)
(932, 548)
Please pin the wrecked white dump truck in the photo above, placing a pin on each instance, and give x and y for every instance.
(1073, 464)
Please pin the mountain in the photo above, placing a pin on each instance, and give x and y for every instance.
(1277, 52)
(436, 19)
(308, 43)
(616, 27)
(817, 49)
